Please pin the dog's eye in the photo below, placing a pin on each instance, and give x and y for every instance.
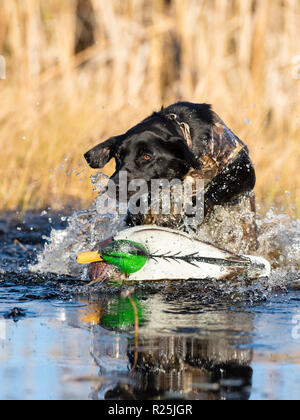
(118, 155)
(147, 157)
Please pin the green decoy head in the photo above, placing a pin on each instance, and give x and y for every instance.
(127, 256)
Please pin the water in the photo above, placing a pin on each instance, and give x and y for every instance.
(61, 339)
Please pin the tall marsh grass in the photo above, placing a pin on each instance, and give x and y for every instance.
(78, 71)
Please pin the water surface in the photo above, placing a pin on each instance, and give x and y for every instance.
(60, 339)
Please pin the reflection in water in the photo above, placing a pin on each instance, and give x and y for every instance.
(193, 343)
(204, 357)
(40, 351)
(84, 348)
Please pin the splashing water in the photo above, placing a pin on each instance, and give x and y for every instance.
(278, 241)
(86, 228)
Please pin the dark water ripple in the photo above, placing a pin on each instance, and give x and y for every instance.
(60, 339)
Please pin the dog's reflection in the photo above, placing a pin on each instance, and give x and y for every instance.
(189, 353)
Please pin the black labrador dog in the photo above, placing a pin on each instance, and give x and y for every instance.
(184, 139)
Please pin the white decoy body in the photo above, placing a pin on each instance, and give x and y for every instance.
(175, 255)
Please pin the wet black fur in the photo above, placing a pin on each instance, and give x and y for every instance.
(163, 140)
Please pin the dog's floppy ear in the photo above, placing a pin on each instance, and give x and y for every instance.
(101, 154)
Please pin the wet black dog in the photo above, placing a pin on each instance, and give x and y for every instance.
(182, 139)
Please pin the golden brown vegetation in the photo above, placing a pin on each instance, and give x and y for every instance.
(79, 71)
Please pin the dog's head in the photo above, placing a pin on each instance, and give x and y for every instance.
(182, 139)
(154, 149)
(169, 144)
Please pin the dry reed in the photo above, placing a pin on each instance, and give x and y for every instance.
(61, 94)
